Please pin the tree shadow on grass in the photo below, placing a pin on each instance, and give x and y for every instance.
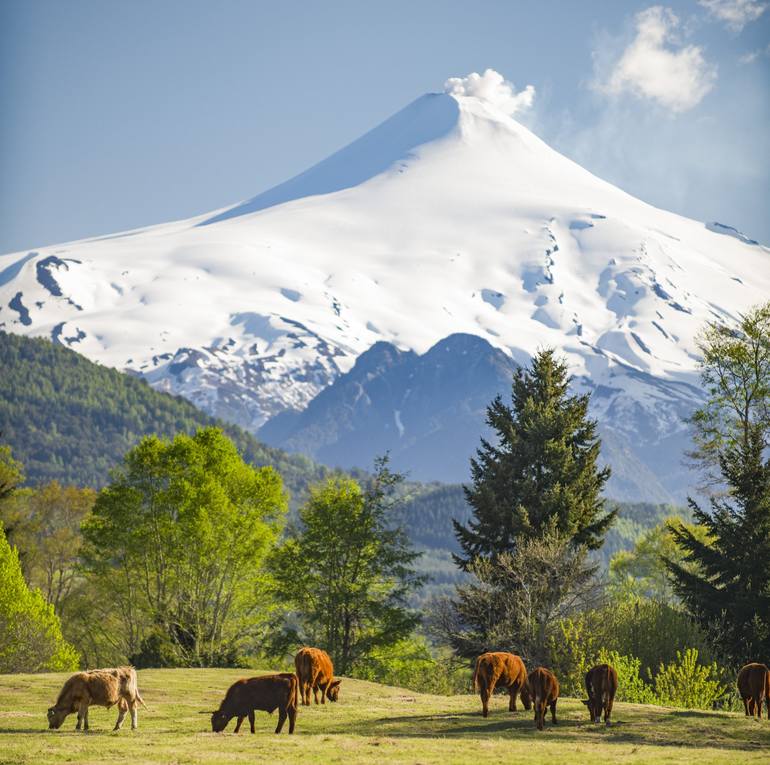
(522, 728)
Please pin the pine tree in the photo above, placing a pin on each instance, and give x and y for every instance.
(542, 475)
(728, 591)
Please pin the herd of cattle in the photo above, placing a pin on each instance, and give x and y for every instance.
(315, 672)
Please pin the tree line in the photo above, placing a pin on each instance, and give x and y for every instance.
(188, 557)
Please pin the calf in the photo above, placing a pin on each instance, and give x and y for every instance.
(502, 670)
(544, 690)
(266, 693)
(754, 687)
(315, 670)
(99, 687)
(602, 685)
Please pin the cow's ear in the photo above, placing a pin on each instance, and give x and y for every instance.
(335, 683)
(586, 702)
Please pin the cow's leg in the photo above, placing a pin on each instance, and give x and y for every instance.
(80, 721)
(553, 711)
(512, 691)
(539, 714)
(608, 710)
(759, 707)
(134, 707)
(238, 724)
(324, 687)
(122, 709)
(484, 693)
(281, 719)
(746, 706)
(84, 713)
(251, 721)
(292, 718)
(751, 706)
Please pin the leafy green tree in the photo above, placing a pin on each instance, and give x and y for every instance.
(345, 572)
(46, 532)
(30, 632)
(642, 571)
(179, 538)
(516, 601)
(542, 474)
(728, 592)
(11, 473)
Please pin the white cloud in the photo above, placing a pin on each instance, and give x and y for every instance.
(656, 65)
(734, 13)
(493, 88)
(752, 56)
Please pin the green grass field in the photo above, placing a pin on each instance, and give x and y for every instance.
(370, 724)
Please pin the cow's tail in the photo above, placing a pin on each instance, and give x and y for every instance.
(141, 700)
(476, 674)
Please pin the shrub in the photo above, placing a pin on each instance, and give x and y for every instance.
(685, 683)
(30, 632)
(631, 686)
(410, 664)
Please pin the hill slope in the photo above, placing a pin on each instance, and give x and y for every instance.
(370, 724)
(69, 419)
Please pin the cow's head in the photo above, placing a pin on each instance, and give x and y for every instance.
(56, 717)
(333, 690)
(219, 720)
(594, 709)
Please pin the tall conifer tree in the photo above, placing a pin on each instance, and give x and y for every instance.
(728, 593)
(542, 474)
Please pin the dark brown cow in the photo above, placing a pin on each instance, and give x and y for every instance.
(99, 687)
(315, 670)
(544, 690)
(266, 694)
(499, 669)
(754, 687)
(602, 685)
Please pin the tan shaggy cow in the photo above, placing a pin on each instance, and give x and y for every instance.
(315, 670)
(602, 685)
(544, 690)
(754, 687)
(101, 688)
(498, 669)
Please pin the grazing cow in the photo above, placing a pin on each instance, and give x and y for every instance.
(544, 690)
(315, 670)
(266, 694)
(754, 687)
(499, 669)
(602, 685)
(99, 687)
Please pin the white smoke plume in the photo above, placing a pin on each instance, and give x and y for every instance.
(493, 88)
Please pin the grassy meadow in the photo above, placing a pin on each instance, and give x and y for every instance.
(370, 724)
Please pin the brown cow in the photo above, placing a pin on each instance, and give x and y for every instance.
(499, 669)
(266, 694)
(754, 687)
(602, 685)
(99, 687)
(544, 690)
(315, 670)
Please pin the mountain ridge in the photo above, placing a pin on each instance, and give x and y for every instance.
(474, 226)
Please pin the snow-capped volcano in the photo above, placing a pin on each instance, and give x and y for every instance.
(450, 217)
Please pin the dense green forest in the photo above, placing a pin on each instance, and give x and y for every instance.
(71, 420)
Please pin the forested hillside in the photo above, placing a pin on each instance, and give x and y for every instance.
(69, 419)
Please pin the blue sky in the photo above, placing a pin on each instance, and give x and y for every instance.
(122, 114)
